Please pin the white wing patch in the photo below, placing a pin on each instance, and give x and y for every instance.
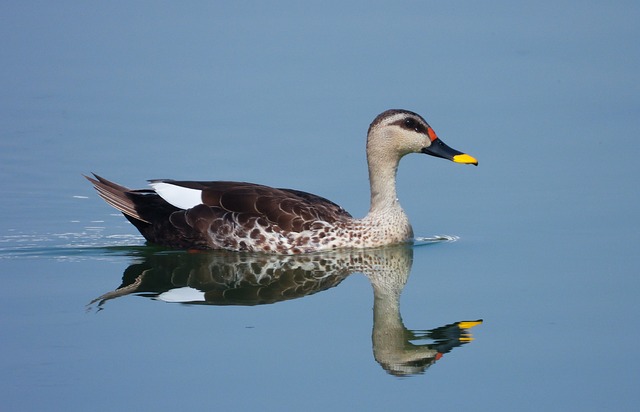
(178, 196)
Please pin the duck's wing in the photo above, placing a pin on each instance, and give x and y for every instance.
(290, 210)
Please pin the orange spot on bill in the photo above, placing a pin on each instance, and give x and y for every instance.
(432, 134)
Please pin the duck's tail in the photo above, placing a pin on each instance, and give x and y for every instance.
(150, 214)
(120, 197)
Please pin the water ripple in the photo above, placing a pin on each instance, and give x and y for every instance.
(64, 246)
(95, 243)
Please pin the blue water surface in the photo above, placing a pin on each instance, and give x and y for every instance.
(543, 234)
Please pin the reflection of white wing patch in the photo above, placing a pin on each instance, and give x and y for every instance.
(182, 295)
(178, 196)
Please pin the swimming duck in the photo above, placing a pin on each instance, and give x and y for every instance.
(243, 216)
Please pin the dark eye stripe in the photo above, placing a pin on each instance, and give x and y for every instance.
(410, 123)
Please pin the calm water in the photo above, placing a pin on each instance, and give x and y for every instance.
(547, 229)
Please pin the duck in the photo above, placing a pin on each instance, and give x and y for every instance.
(250, 217)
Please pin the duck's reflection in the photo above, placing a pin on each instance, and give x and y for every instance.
(223, 278)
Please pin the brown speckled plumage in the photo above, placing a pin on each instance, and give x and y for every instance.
(250, 217)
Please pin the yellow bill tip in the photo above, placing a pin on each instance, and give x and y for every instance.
(466, 159)
(469, 324)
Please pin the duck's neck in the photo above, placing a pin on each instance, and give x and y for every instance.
(382, 177)
(386, 221)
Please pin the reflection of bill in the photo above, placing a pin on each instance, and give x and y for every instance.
(225, 278)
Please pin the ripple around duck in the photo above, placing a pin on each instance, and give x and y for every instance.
(94, 243)
(422, 241)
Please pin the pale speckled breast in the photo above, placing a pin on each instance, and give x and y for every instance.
(257, 235)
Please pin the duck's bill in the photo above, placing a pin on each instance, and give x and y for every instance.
(439, 149)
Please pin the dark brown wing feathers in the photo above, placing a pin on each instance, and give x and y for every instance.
(276, 205)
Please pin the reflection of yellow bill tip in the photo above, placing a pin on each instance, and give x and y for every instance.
(469, 324)
(466, 159)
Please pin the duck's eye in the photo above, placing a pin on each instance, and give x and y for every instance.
(412, 124)
(409, 123)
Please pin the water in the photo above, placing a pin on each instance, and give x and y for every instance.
(539, 241)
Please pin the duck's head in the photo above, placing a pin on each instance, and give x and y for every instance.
(400, 132)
